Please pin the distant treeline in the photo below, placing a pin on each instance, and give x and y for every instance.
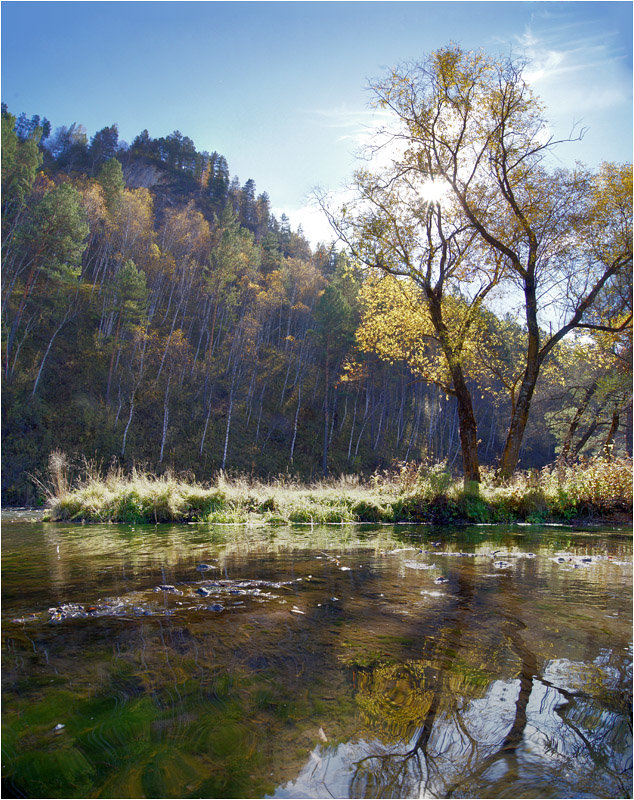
(155, 311)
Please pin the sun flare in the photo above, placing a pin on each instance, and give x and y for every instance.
(434, 191)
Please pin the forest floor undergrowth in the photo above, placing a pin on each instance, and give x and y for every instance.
(590, 491)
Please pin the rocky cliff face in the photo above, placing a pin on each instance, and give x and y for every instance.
(169, 188)
(140, 173)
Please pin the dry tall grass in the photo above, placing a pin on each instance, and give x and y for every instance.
(419, 494)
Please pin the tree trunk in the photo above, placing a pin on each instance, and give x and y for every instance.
(380, 427)
(165, 418)
(299, 402)
(400, 427)
(628, 430)
(112, 355)
(67, 316)
(354, 419)
(519, 417)
(202, 438)
(229, 415)
(584, 439)
(324, 459)
(519, 420)
(13, 328)
(134, 390)
(609, 439)
(257, 429)
(414, 435)
(127, 427)
(574, 424)
(467, 426)
(467, 429)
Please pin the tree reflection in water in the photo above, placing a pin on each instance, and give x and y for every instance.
(531, 736)
(465, 721)
(520, 739)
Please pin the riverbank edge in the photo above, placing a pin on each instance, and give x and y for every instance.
(593, 494)
(617, 520)
(623, 522)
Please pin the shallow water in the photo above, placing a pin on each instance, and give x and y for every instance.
(315, 662)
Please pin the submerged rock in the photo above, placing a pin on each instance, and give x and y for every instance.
(167, 587)
(144, 603)
(109, 608)
(27, 618)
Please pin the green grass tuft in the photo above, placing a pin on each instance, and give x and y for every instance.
(592, 489)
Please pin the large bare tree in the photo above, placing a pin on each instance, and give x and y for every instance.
(469, 124)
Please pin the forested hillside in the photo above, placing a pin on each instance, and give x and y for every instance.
(154, 311)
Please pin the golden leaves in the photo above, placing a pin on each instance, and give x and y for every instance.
(396, 325)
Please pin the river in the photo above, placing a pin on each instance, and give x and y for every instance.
(352, 661)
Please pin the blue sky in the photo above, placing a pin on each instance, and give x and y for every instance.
(280, 88)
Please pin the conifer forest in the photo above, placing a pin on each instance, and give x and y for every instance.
(156, 313)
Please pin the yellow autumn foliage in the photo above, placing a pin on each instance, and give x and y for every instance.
(396, 325)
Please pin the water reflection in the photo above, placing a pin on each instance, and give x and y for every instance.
(549, 743)
(358, 675)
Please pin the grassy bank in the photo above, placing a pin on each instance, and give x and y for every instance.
(594, 490)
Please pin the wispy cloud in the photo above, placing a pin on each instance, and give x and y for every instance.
(580, 68)
(357, 125)
(573, 69)
(344, 117)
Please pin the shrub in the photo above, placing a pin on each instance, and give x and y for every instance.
(473, 508)
(320, 513)
(129, 507)
(227, 515)
(161, 503)
(58, 473)
(433, 482)
(67, 508)
(598, 486)
(200, 503)
(531, 505)
(372, 511)
(401, 511)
